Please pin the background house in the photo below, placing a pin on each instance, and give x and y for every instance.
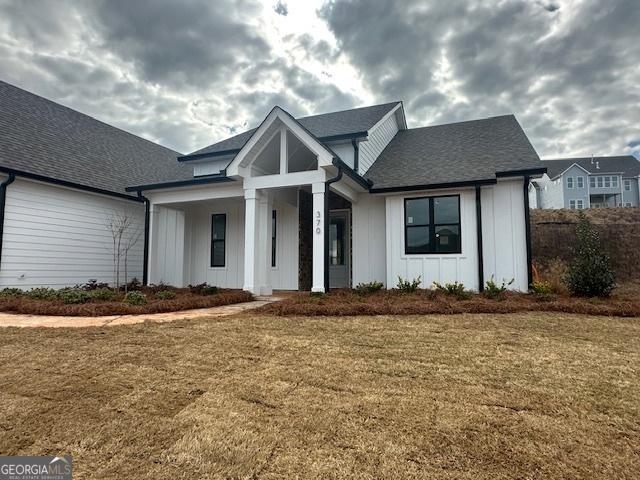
(592, 182)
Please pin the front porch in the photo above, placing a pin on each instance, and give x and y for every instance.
(279, 219)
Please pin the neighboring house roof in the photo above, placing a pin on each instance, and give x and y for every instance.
(356, 121)
(462, 152)
(628, 165)
(40, 137)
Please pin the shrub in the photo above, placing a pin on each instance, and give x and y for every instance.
(368, 288)
(73, 295)
(590, 273)
(456, 289)
(203, 289)
(158, 287)
(494, 291)
(92, 285)
(134, 285)
(165, 295)
(406, 286)
(541, 287)
(135, 298)
(104, 294)
(42, 293)
(11, 292)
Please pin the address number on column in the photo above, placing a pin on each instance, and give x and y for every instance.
(318, 222)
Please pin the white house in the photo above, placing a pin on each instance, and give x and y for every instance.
(317, 202)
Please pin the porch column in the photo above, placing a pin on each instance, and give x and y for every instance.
(264, 243)
(317, 283)
(250, 242)
(152, 256)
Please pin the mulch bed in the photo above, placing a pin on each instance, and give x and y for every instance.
(423, 302)
(184, 300)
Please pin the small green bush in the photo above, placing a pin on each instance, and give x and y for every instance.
(165, 295)
(406, 286)
(368, 288)
(203, 289)
(73, 295)
(494, 291)
(135, 298)
(134, 285)
(11, 292)
(103, 294)
(92, 285)
(541, 288)
(456, 289)
(42, 293)
(590, 273)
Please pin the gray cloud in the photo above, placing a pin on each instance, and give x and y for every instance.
(570, 75)
(281, 8)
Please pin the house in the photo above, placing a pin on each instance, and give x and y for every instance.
(309, 203)
(591, 182)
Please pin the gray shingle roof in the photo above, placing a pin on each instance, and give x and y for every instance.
(324, 125)
(44, 138)
(452, 153)
(626, 164)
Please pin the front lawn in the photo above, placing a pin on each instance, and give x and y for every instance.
(451, 396)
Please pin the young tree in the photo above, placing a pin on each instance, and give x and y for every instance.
(590, 273)
(125, 234)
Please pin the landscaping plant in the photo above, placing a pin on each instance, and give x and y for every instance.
(73, 295)
(456, 289)
(368, 288)
(165, 295)
(135, 298)
(494, 291)
(590, 273)
(406, 286)
(203, 289)
(103, 294)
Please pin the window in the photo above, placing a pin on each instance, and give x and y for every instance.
(614, 182)
(273, 237)
(627, 204)
(569, 182)
(599, 182)
(218, 234)
(627, 185)
(607, 182)
(592, 182)
(572, 204)
(580, 182)
(580, 204)
(432, 225)
(337, 239)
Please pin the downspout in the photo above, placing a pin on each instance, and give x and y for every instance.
(3, 198)
(326, 226)
(356, 154)
(145, 260)
(527, 229)
(479, 237)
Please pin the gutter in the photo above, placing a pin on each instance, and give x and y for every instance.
(145, 260)
(3, 198)
(326, 224)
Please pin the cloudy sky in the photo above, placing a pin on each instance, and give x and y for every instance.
(190, 72)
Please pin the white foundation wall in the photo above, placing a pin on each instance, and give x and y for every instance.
(441, 268)
(368, 240)
(56, 236)
(503, 233)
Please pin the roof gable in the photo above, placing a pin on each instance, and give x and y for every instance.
(624, 164)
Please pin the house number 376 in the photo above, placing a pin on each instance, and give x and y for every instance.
(318, 222)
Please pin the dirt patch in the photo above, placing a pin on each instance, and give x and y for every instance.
(625, 303)
(462, 396)
(184, 300)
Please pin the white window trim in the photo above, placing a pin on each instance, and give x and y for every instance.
(570, 182)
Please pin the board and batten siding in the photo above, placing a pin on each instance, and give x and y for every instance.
(369, 240)
(379, 138)
(503, 233)
(57, 237)
(166, 263)
(441, 268)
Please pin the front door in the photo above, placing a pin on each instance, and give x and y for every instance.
(339, 249)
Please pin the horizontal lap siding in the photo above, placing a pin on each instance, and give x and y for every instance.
(378, 139)
(56, 237)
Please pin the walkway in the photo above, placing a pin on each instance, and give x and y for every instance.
(51, 321)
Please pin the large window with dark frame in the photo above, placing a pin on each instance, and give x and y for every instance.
(218, 239)
(432, 225)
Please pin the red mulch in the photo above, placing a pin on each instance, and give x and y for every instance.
(184, 300)
(390, 302)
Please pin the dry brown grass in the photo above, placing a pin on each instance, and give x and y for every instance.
(184, 300)
(624, 303)
(462, 396)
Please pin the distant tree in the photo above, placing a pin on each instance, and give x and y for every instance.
(590, 273)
